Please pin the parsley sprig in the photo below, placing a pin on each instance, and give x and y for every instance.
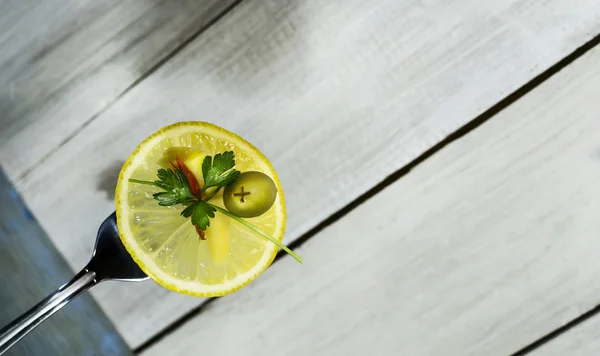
(176, 186)
(218, 171)
(200, 211)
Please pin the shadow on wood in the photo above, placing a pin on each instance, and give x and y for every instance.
(107, 180)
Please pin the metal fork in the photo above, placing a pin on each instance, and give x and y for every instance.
(110, 261)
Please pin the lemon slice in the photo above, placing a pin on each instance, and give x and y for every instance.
(166, 245)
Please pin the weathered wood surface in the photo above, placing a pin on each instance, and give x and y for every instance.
(339, 94)
(31, 269)
(62, 62)
(481, 249)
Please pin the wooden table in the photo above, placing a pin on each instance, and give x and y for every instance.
(441, 162)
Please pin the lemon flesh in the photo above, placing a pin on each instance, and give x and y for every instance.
(166, 245)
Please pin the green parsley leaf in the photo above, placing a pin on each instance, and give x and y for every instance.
(175, 184)
(218, 171)
(200, 212)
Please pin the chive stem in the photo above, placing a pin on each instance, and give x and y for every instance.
(258, 230)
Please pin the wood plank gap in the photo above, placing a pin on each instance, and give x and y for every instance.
(558, 332)
(456, 135)
(156, 338)
(143, 77)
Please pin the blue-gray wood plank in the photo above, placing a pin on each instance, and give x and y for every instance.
(30, 269)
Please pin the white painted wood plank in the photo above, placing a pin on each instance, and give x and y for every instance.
(64, 61)
(481, 249)
(583, 340)
(339, 94)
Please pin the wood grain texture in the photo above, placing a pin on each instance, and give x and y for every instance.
(480, 250)
(338, 94)
(583, 340)
(31, 269)
(64, 61)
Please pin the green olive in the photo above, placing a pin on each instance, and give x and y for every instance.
(252, 194)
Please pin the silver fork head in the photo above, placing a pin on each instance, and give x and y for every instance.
(110, 260)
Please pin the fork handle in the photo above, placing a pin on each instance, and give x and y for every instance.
(21, 326)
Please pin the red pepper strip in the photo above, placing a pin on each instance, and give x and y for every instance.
(194, 186)
(200, 233)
